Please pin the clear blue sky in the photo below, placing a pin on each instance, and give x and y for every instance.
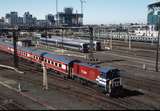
(96, 11)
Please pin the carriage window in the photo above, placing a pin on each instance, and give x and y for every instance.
(56, 64)
(60, 65)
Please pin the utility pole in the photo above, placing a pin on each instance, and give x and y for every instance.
(129, 38)
(91, 43)
(46, 35)
(99, 33)
(111, 39)
(77, 23)
(157, 55)
(45, 80)
(62, 40)
(15, 39)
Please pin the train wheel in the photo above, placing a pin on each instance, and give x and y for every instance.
(65, 78)
(73, 78)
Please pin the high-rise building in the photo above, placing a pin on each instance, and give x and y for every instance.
(2, 20)
(27, 19)
(20, 21)
(68, 18)
(43, 23)
(12, 18)
(50, 18)
(152, 18)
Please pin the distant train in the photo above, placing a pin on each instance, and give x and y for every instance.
(135, 38)
(68, 43)
(107, 78)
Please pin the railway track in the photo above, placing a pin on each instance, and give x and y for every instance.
(152, 86)
(9, 104)
(146, 54)
(130, 60)
(137, 45)
(95, 96)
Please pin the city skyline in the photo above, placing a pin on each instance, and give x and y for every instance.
(95, 12)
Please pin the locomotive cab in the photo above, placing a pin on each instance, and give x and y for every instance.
(110, 81)
(84, 47)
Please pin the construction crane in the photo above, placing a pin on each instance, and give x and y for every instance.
(82, 2)
(57, 16)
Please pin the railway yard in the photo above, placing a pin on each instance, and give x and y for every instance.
(141, 84)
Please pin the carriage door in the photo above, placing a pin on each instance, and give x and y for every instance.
(70, 66)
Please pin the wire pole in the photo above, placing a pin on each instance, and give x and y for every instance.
(157, 55)
(45, 81)
(111, 41)
(46, 38)
(91, 43)
(129, 38)
(62, 40)
(15, 39)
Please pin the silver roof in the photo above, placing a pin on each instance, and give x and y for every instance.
(69, 40)
(65, 40)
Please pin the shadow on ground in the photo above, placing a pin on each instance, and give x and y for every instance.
(110, 61)
(125, 93)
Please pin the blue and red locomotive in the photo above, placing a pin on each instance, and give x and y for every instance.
(107, 78)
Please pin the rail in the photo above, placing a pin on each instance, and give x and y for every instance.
(12, 68)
